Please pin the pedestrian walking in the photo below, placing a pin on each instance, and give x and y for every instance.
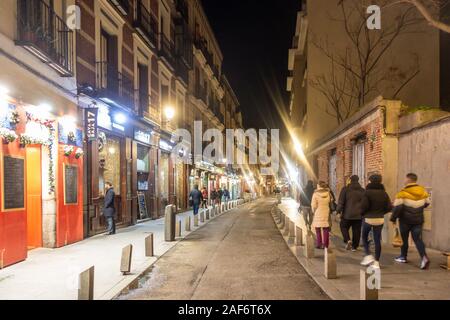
(409, 206)
(109, 211)
(320, 205)
(226, 195)
(195, 197)
(349, 207)
(374, 205)
(214, 197)
(306, 195)
(205, 197)
(220, 195)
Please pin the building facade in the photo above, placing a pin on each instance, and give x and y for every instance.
(92, 92)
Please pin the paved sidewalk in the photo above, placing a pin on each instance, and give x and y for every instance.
(52, 274)
(398, 281)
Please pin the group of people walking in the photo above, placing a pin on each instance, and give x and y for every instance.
(199, 198)
(363, 211)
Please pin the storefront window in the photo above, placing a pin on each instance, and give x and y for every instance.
(143, 167)
(164, 176)
(109, 162)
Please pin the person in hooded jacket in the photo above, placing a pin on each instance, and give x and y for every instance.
(320, 205)
(409, 206)
(305, 203)
(374, 205)
(349, 206)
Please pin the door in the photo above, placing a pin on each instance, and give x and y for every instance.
(34, 197)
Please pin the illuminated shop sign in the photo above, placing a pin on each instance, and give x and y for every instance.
(143, 136)
(91, 124)
(164, 145)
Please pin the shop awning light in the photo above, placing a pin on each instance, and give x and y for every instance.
(120, 118)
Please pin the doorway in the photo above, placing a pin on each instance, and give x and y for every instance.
(34, 197)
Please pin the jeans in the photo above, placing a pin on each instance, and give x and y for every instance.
(196, 206)
(326, 237)
(376, 230)
(416, 233)
(111, 225)
(356, 231)
(307, 216)
(205, 203)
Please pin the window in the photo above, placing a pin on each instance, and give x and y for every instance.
(359, 162)
(109, 162)
(143, 88)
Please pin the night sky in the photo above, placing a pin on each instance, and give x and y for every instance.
(255, 36)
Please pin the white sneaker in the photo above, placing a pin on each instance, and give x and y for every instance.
(376, 264)
(367, 260)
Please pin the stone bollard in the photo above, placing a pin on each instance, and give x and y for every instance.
(125, 263)
(187, 223)
(330, 264)
(282, 220)
(202, 216)
(369, 283)
(86, 284)
(196, 220)
(207, 214)
(309, 246)
(149, 245)
(298, 236)
(287, 222)
(170, 217)
(291, 232)
(178, 229)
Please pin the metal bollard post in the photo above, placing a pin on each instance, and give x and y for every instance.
(291, 231)
(287, 222)
(178, 229)
(298, 236)
(207, 214)
(202, 216)
(187, 226)
(169, 234)
(86, 284)
(309, 246)
(196, 220)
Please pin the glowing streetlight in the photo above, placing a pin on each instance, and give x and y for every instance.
(169, 112)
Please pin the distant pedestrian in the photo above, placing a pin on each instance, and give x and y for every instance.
(226, 195)
(305, 203)
(320, 205)
(220, 195)
(214, 197)
(205, 198)
(109, 211)
(374, 205)
(195, 197)
(349, 206)
(409, 206)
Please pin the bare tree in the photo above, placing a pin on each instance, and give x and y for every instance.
(359, 71)
(430, 10)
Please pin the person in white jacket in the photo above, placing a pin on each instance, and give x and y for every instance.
(320, 205)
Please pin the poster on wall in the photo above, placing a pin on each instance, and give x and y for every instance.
(143, 212)
(70, 137)
(70, 185)
(13, 183)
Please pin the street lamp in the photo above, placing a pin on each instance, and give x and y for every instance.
(169, 113)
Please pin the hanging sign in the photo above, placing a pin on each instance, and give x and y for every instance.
(91, 124)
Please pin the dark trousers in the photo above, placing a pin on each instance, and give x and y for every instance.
(416, 233)
(111, 225)
(307, 216)
(323, 242)
(355, 225)
(205, 203)
(196, 207)
(366, 228)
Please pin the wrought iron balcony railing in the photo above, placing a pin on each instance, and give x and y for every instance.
(113, 86)
(42, 32)
(146, 24)
(166, 49)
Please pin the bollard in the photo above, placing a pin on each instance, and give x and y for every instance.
(218, 207)
(282, 220)
(169, 234)
(187, 223)
(291, 231)
(287, 222)
(202, 216)
(125, 263)
(149, 245)
(330, 264)
(298, 236)
(86, 284)
(178, 229)
(369, 283)
(309, 246)
(207, 214)
(212, 213)
(196, 220)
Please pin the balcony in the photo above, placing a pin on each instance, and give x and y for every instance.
(43, 33)
(166, 50)
(122, 5)
(146, 25)
(114, 87)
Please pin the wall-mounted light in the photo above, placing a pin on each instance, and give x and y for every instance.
(120, 118)
(169, 112)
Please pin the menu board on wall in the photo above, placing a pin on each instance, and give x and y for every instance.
(143, 213)
(13, 175)
(70, 184)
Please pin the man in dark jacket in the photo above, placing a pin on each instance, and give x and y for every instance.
(349, 205)
(109, 211)
(409, 206)
(220, 195)
(196, 197)
(305, 203)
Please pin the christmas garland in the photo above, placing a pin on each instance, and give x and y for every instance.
(8, 135)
